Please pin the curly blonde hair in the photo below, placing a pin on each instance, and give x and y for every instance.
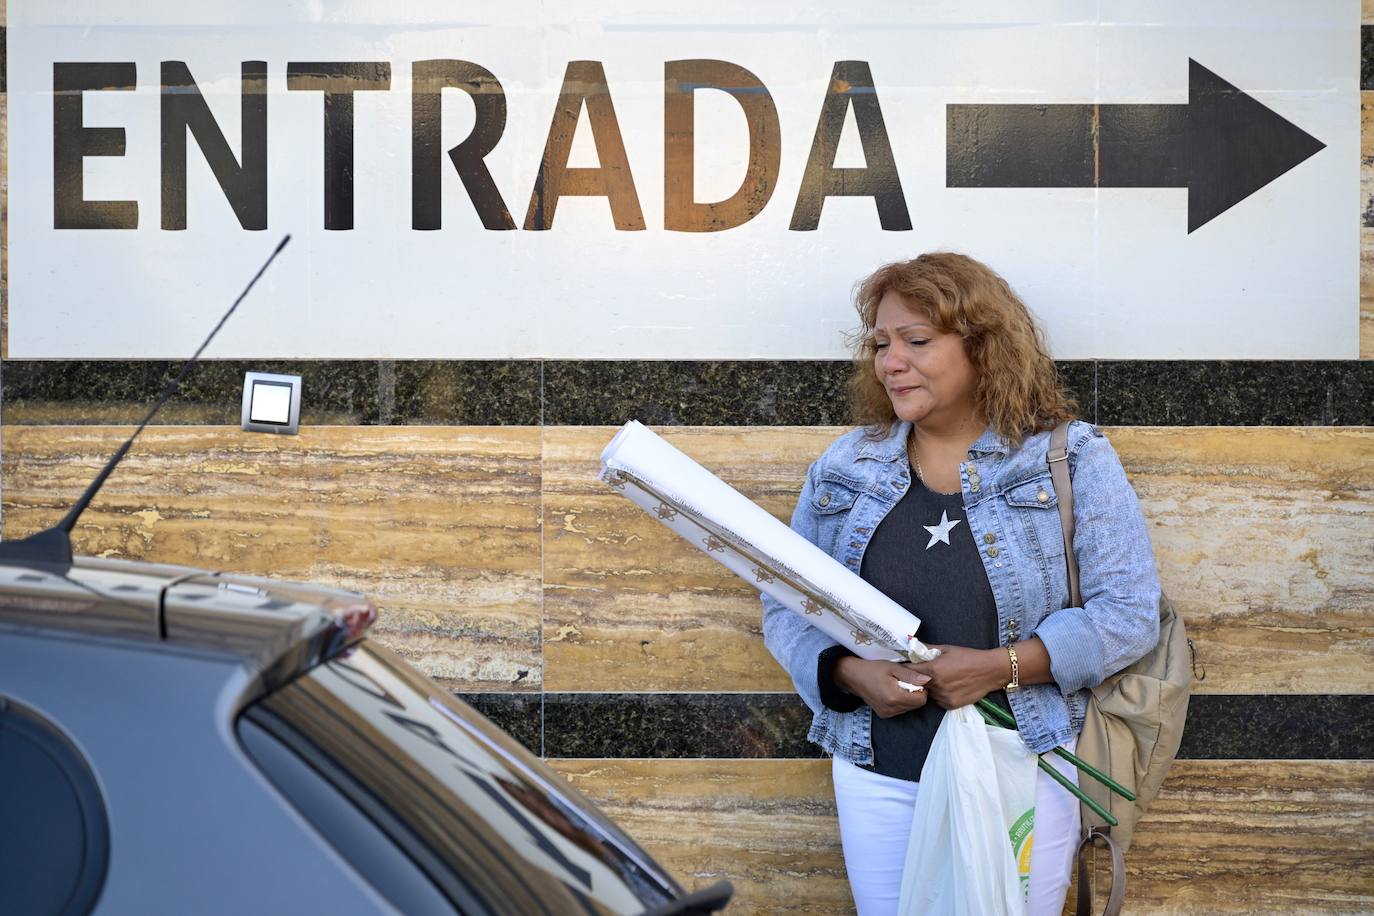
(1019, 390)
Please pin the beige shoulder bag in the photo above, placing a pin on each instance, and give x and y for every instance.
(1135, 717)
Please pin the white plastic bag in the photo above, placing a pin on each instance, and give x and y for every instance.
(977, 799)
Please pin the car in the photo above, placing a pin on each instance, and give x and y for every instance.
(175, 740)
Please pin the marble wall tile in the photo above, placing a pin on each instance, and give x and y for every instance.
(1257, 836)
(1367, 292)
(1366, 160)
(1283, 726)
(1263, 542)
(1366, 57)
(630, 606)
(768, 826)
(1248, 837)
(1262, 537)
(1080, 378)
(521, 715)
(676, 725)
(440, 526)
(1235, 393)
(448, 392)
(696, 393)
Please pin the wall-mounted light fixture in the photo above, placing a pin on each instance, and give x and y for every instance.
(271, 403)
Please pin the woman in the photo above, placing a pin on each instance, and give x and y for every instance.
(944, 502)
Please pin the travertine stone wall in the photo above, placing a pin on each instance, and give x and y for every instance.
(1263, 537)
(462, 496)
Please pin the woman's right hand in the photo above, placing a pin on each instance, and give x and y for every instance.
(876, 683)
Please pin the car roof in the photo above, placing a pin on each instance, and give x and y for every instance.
(277, 628)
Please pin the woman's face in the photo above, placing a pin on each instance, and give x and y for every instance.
(927, 372)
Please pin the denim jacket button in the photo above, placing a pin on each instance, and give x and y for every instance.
(1042, 496)
(825, 500)
(993, 551)
(989, 538)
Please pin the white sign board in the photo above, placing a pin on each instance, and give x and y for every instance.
(1212, 212)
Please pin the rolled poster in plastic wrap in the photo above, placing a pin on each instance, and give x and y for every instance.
(729, 528)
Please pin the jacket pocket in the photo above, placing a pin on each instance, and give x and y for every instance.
(831, 498)
(831, 502)
(1035, 503)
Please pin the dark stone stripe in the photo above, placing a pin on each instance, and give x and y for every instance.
(520, 714)
(676, 725)
(721, 393)
(696, 393)
(1367, 57)
(1279, 727)
(1236, 393)
(4, 59)
(774, 725)
(666, 393)
(334, 392)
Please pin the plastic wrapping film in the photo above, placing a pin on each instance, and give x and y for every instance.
(744, 538)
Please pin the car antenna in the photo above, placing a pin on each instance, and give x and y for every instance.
(54, 546)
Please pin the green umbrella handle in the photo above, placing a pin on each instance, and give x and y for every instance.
(1005, 718)
(1055, 774)
(1077, 792)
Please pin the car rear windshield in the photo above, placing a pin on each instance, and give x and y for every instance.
(470, 810)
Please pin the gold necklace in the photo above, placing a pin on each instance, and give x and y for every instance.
(920, 472)
(911, 452)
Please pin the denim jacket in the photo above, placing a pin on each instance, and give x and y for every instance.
(1013, 513)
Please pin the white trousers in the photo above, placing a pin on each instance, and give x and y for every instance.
(875, 825)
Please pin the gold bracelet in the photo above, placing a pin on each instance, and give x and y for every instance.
(1015, 681)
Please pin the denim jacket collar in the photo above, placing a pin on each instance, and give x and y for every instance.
(894, 445)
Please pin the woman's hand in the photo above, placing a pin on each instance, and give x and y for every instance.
(960, 676)
(876, 682)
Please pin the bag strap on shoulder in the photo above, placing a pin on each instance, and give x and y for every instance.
(1063, 489)
(1058, 458)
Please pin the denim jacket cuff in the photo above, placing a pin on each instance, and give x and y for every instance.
(1076, 655)
(831, 694)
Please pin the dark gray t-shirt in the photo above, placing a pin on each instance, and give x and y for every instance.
(924, 557)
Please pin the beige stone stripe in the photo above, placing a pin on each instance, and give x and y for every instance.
(439, 525)
(1232, 837)
(1262, 537)
(1367, 206)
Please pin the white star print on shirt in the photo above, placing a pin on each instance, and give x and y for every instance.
(940, 533)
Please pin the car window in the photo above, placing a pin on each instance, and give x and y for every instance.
(488, 824)
(362, 844)
(52, 818)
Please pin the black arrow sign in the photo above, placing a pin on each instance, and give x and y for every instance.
(1222, 146)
